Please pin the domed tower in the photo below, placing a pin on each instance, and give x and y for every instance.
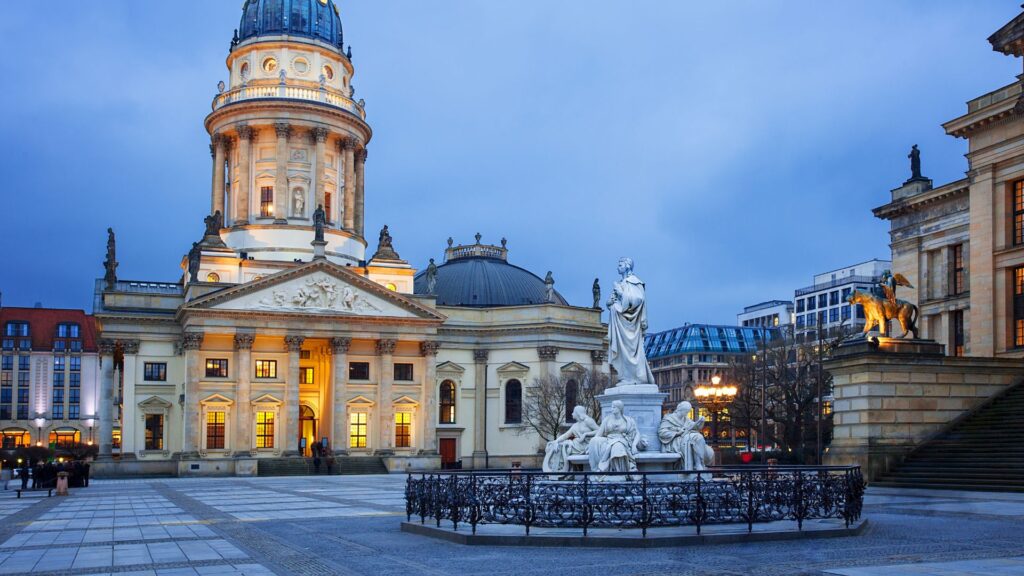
(287, 136)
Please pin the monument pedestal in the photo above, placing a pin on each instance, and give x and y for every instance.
(642, 402)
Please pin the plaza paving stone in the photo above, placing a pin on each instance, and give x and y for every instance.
(350, 525)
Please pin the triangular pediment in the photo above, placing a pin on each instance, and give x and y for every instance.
(267, 399)
(216, 399)
(573, 367)
(513, 367)
(319, 287)
(407, 401)
(361, 401)
(450, 367)
(155, 403)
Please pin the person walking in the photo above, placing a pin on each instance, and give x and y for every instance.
(24, 476)
(316, 463)
(5, 474)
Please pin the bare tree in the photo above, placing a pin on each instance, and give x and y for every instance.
(745, 411)
(548, 400)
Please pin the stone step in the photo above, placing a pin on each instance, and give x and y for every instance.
(947, 486)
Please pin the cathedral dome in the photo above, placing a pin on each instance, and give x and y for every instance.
(316, 19)
(479, 275)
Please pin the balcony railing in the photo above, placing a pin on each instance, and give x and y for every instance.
(289, 92)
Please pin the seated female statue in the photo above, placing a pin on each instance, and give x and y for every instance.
(616, 443)
(573, 442)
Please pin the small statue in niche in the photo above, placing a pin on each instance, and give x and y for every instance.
(431, 277)
(319, 221)
(298, 204)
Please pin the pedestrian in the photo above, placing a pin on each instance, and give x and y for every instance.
(85, 474)
(24, 475)
(316, 463)
(330, 464)
(5, 474)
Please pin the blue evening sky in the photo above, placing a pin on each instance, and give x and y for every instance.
(733, 149)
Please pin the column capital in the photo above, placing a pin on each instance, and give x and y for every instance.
(191, 340)
(294, 343)
(480, 355)
(216, 138)
(319, 134)
(386, 346)
(547, 352)
(228, 142)
(598, 355)
(243, 341)
(107, 346)
(429, 348)
(246, 132)
(361, 155)
(129, 346)
(340, 345)
(349, 143)
(283, 129)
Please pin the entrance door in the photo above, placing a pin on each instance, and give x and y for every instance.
(447, 449)
(307, 427)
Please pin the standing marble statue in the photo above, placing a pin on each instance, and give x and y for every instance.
(573, 442)
(627, 323)
(299, 204)
(616, 442)
(549, 288)
(681, 435)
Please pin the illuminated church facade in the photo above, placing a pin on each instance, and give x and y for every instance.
(285, 332)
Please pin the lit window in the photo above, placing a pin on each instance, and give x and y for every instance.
(216, 368)
(403, 426)
(328, 72)
(357, 430)
(270, 65)
(447, 410)
(264, 429)
(154, 432)
(306, 376)
(213, 277)
(267, 202)
(392, 287)
(266, 368)
(214, 430)
(1018, 307)
(1018, 213)
(957, 283)
(155, 371)
(65, 438)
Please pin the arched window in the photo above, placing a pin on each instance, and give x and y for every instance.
(65, 437)
(213, 277)
(15, 438)
(447, 413)
(571, 392)
(513, 402)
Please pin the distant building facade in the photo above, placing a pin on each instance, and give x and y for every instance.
(962, 244)
(823, 304)
(49, 374)
(770, 314)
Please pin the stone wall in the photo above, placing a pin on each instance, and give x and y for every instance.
(888, 402)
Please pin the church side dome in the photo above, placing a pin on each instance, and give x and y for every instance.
(316, 19)
(479, 275)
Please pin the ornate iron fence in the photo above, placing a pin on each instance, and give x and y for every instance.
(732, 495)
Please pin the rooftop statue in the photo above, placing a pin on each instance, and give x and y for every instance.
(193, 262)
(214, 223)
(575, 441)
(431, 277)
(385, 249)
(627, 322)
(110, 263)
(319, 221)
(880, 309)
(915, 163)
(549, 288)
(596, 289)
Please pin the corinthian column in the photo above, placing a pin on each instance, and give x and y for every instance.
(281, 199)
(319, 136)
(243, 426)
(106, 400)
(360, 165)
(384, 439)
(191, 343)
(246, 136)
(428, 400)
(339, 378)
(217, 150)
(349, 147)
(291, 396)
(480, 408)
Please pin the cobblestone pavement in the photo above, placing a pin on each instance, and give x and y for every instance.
(350, 525)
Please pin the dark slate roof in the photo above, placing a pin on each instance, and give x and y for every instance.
(317, 19)
(485, 282)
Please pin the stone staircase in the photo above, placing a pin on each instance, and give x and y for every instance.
(984, 451)
(304, 466)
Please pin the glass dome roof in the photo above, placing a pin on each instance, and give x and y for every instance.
(316, 19)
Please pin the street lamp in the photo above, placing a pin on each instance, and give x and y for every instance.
(715, 398)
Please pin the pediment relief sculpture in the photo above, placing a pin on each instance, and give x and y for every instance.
(318, 294)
